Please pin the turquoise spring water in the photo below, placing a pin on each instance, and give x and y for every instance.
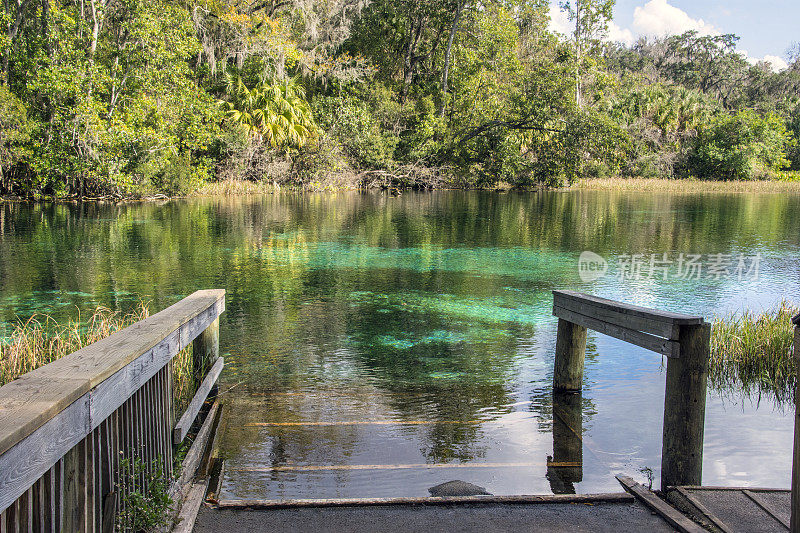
(378, 346)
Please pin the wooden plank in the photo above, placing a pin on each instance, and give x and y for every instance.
(617, 497)
(703, 509)
(645, 340)
(190, 508)
(663, 327)
(795, 497)
(768, 508)
(197, 449)
(696, 488)
(633, 311)
(672, 516)
(109, 395)
(186, 421)
(398, 466)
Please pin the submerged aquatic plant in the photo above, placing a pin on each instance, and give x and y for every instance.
(751, 353)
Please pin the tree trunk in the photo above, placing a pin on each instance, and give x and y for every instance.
(451, 37)
(410, 60)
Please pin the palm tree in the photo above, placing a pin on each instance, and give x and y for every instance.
(278, 111)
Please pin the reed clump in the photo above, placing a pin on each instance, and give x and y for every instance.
(752, 353)
(41, 340)
(690, 186)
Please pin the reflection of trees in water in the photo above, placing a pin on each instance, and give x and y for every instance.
(290, 264)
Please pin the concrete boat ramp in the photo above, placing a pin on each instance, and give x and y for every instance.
(686, 509)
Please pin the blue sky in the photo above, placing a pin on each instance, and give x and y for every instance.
(766, 27)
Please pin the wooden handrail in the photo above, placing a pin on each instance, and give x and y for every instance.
(684, 339)
(49, 411)
(795, 498)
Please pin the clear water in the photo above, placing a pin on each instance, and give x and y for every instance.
(378, 346)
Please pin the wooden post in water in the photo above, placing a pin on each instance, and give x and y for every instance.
(795, 520)
(205, 351)
(570, 351)
(565, 466)
(685, 408)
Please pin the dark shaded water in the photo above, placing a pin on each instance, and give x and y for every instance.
(377, 346)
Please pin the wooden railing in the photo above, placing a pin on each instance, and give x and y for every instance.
(684, 339)
(795, 517)
(67, 428)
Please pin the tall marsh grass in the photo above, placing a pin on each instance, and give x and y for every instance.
(690, 186)
(751, 353)
(41, 339)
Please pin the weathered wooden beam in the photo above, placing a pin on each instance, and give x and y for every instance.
(614, 497)
(198, 448)
(633, 316)
(795, 517)
(672, 516)
(190, 508)
(569, 356)
(656, 344)
(685, 408)
(186, 421)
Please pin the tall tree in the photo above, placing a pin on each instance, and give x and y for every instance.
(591, 18)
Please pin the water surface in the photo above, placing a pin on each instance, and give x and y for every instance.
(377, 346)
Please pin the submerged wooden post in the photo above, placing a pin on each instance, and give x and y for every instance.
(685, 408)
(570, 350)
(205, 351)
(565, 466)
(795, 520)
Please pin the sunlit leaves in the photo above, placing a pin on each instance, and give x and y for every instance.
(277, 112)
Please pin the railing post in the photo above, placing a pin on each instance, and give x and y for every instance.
(205, 351)
(685, 408)
(795, 520)
(570, 350)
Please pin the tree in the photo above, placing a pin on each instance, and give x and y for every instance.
(277, 111)
(591, 18)
(740, 146)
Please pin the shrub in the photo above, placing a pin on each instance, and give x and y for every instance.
(740, 146)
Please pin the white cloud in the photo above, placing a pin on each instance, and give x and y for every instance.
(778, 64)
(658, 18)
(620, 35)
(560, 23)
(775, 63)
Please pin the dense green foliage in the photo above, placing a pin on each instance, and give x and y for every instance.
(121, 97)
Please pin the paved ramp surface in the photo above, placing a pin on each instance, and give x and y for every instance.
(477, 518)
(736, 509)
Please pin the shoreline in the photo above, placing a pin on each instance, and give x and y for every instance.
(653, 185)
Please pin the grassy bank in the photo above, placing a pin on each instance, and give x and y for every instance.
(689, 186)
(752, 353)
(41, 340)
